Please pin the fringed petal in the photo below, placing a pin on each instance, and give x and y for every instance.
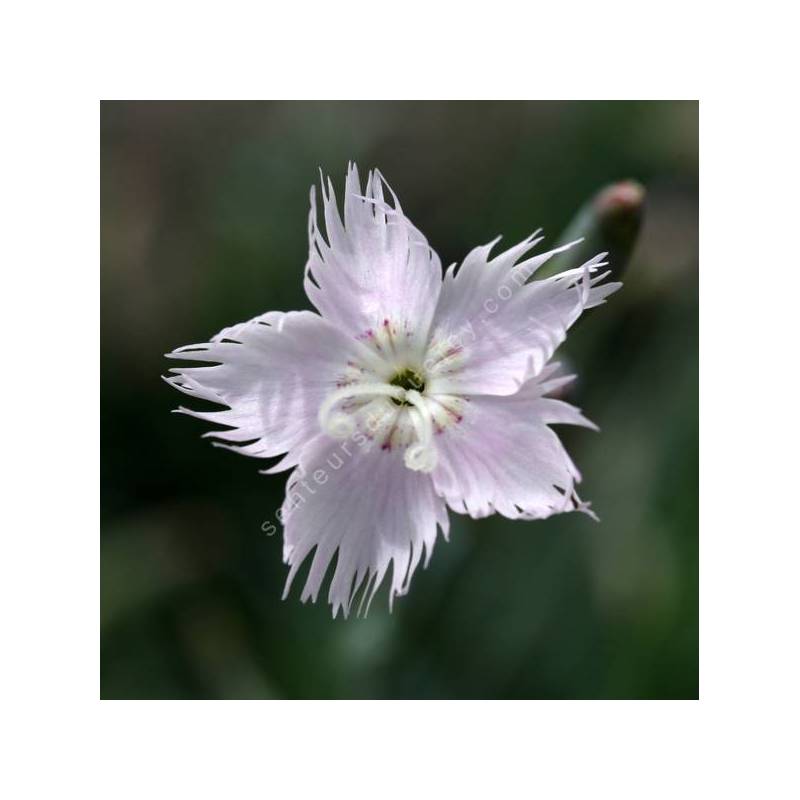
(505, 326)
(375, 266)
(502, 457)
(360, 505)
(272, 373)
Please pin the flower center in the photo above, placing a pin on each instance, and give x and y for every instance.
(382, 401)
(407, 378)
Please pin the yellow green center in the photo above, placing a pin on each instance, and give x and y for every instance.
(407, 378)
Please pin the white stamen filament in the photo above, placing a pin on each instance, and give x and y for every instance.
(340, 425)
(422, 455)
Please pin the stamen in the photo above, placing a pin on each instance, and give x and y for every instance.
(425, 432)
(341, 425)
(421, 456)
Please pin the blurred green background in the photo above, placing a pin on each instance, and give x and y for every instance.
(204, 210)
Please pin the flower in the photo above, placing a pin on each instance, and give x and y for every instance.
(409, 393)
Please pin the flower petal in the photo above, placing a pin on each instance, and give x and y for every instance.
(505, 328)
(504, 458)
(273, 373)
(376, 266)
(364, 504)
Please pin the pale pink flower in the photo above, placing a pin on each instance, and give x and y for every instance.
(409, 393)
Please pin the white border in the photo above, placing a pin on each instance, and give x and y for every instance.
(59, 59)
